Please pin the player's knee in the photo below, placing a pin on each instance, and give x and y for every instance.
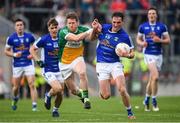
(15, 87)
(31, 85)
(82, 75)
(105, 96)
(122, 91)
(57, 89)
(155, 78)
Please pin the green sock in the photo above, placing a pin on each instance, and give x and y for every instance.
(79, 93)
(85, 94)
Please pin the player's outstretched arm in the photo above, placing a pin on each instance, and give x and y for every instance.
(78, 37)
(97, 28)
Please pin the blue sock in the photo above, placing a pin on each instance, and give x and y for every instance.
(16, 98)
(146, 100)
(154, 101)
(129, 111)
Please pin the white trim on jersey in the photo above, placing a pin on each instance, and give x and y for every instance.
(35, 43)
(131, 42)
(7, 45)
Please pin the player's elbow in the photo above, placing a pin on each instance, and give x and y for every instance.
(6, 52)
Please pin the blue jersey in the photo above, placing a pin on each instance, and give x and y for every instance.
(20, 44)
(49, 53)
(107, 43)
(147, 31)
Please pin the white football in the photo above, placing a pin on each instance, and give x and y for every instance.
(123, 47)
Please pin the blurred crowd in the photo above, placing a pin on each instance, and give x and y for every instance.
(89, 9)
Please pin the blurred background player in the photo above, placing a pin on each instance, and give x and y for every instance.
(108, 62)
(71, 44)
(17, 46)
(50, 65)
(151, 36)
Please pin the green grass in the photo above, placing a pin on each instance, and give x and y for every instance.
(111, 110)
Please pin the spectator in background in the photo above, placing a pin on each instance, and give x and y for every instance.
(61, 18)
(86, 10)
(17, 47)
(175, 28)
(118, 5)
(133, 5)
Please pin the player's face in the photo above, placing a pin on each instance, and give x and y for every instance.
(152, 16)
(116, 24)
(19, 27)
(72, 24)
(53, 29)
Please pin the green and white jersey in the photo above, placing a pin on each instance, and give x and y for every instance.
(70, 50)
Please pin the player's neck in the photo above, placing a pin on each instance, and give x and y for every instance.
(152, 22)
(115, 30)
(54, 37)
(20, 34)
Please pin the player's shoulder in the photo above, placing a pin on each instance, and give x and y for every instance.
(106, 26)
(144, 24)
(13, 35)
(160, 24)
(123, 32)
(45, 37)
(64, 30)
(28, 34)
(83, 28)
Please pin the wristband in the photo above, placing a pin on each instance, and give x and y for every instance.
(89, 31)
(14, 54)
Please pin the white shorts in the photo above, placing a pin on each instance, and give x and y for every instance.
(19, 71)
(52, 76)
(157, 59)
(106, 70)
(67, 69)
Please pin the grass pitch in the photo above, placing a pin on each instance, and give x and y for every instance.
(110, 110)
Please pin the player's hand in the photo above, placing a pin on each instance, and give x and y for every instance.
(17, 55)
(144, 44)
(40, 63)
(96, 26)
(156, 39)
(30, 57)
(122, 53)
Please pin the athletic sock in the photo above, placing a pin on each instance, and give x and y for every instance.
(79, 93)
(154, 101)
(85, 94)
(147, 98)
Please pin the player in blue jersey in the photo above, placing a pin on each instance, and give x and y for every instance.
(151, 36)
(17, 47)
(49, 63)
(108, 62)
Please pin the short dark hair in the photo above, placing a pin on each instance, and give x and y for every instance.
(118, 14)
(72, 15)
(153, 8)
(52, 21)
(19, 20)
